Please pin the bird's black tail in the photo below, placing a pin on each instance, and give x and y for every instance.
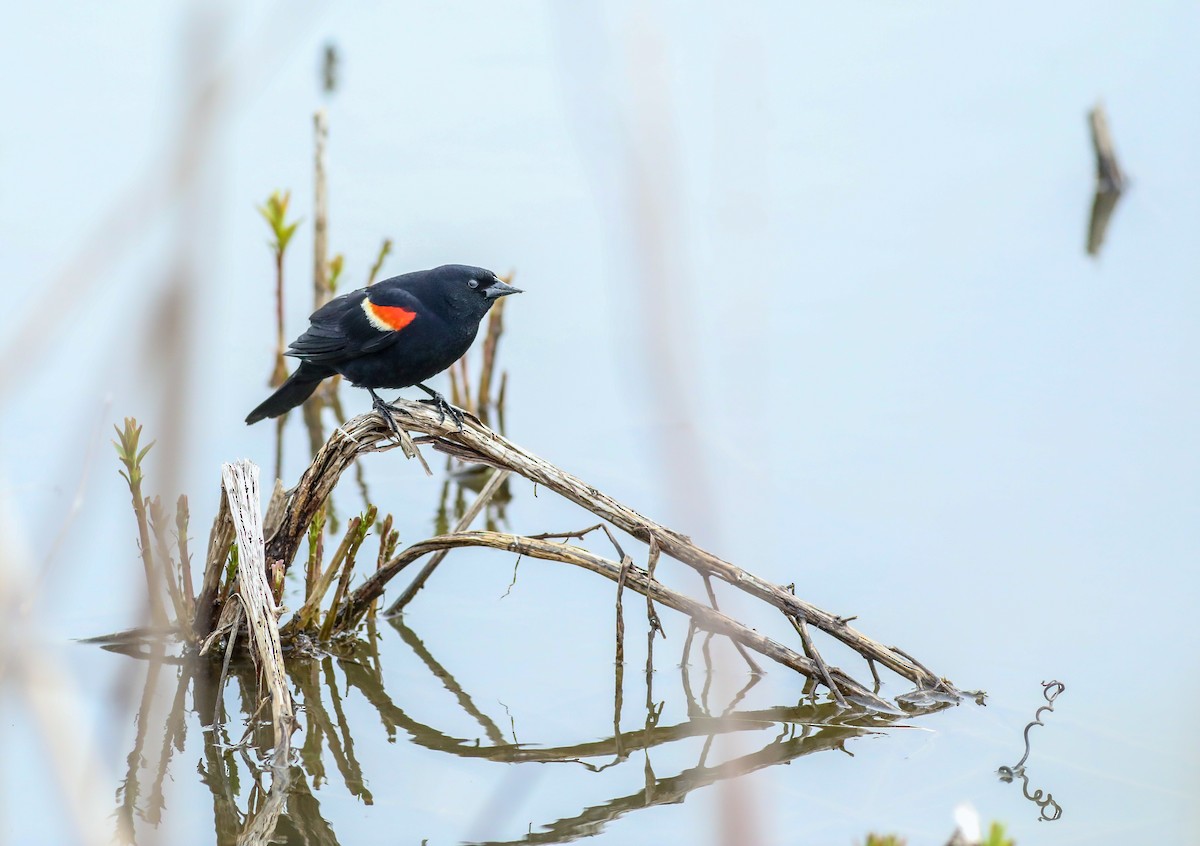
(298, 387)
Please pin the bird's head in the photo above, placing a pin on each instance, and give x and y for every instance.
(471, 290)
(485, 283)
(455, 291)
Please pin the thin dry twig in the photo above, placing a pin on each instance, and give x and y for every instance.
(812, 653)
(622, 576)
(712, 600)
(384, 249)
(635, 579)
(220, 539)
(497, 479)
(652, 620)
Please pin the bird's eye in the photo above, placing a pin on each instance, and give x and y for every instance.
(474, 283)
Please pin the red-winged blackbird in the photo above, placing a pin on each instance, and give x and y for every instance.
(396, 333)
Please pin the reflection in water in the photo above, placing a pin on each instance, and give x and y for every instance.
(795, 740)
(452, 504)
(1103, 204)
(1110, 180)
(257, 800)
(1050, 690)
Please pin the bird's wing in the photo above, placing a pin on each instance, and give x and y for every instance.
(350, 325)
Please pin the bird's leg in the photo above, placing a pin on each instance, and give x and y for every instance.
(444, 408)
(385, 411)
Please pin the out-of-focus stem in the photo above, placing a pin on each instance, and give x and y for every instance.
(320, 211)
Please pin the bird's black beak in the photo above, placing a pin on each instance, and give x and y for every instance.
(500, 289)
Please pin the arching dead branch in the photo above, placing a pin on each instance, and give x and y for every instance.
(475, 442)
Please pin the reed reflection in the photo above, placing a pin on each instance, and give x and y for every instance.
(258, 800)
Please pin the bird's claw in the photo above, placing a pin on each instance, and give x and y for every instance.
(385, 411)
(445, 410)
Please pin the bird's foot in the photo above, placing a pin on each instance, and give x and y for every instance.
(387, 412)
(444, 408)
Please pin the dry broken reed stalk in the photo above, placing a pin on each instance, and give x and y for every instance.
(240, 482)
(476, 443)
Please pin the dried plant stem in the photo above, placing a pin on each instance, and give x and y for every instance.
(185, 558)
(652, 621)
(241, 488)
(388, 539)
(157, 520)
(811, 651)
(501, 396)
(478, 443)
(468, 401)
(498, 478)
(219, 540)
(635, 579)
(365, 524)
(384, 249)
(158, 614)
(321, 292)
(712, 600)
(491, 342)
(231, 619)
(622, 575)
(356, 531)
(456, 392)
(314, 488)
(475, 442)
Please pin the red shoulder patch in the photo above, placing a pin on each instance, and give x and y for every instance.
(388, 318)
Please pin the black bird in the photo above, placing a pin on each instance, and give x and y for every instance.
(393, 334)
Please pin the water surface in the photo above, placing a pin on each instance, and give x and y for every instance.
(809, 287)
